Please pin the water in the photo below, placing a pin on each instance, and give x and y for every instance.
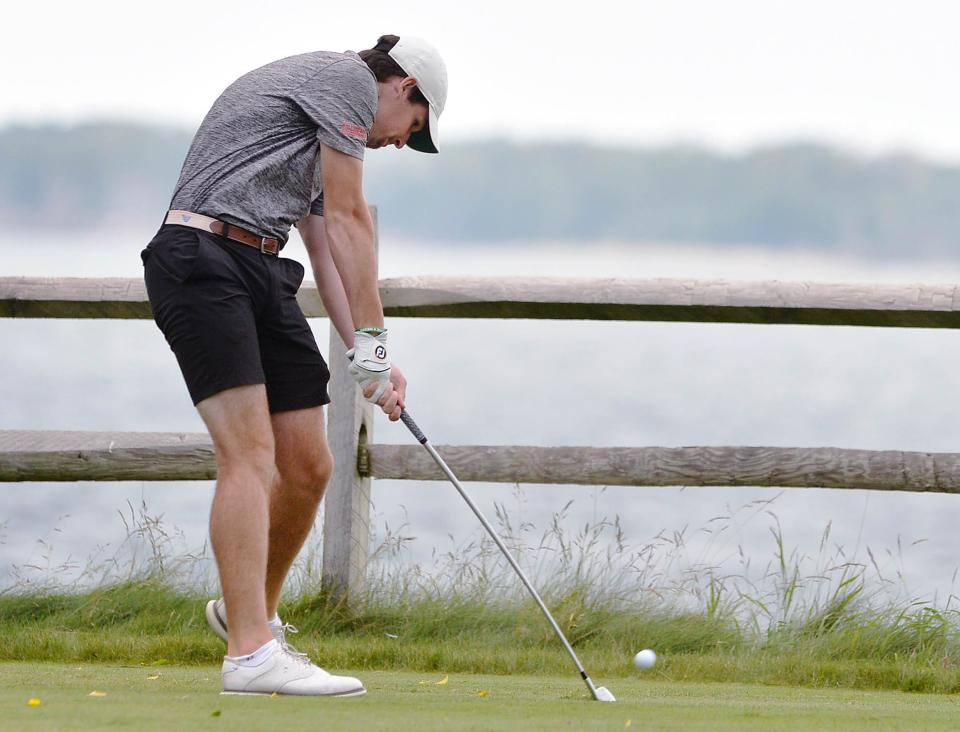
(536, 383)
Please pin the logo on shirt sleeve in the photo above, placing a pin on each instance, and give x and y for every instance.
(355, 131)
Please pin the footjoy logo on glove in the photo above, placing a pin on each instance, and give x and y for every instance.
(381, 352)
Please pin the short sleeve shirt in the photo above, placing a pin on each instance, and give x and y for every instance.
(255, 161)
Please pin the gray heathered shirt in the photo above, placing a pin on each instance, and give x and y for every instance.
(255, 159)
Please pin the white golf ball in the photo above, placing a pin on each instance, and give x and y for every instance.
(645, 659)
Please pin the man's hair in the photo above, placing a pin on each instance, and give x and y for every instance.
(383, 66)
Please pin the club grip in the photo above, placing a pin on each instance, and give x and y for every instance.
(412, 426)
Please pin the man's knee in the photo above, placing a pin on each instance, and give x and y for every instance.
(318, 469)
(239, 425)
(309, 473)
(255, 461)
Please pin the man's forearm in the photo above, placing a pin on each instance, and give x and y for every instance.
(329, 285)
(350, 237)
(334, 301)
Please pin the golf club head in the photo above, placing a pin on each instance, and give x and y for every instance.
(603, 694)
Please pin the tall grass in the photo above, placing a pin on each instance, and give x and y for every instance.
(823, 619)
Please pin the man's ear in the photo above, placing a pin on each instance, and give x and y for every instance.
(408, 85)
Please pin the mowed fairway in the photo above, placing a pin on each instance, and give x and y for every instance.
(187, 698)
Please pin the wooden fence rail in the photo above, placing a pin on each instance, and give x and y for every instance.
(60, 456)
(77, 456)
(710, 301)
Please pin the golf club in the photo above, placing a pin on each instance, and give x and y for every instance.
(600, 693)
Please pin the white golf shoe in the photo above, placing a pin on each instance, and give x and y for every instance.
(286, 673)
(217, 618)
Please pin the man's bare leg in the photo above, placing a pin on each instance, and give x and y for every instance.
(239, 424)
(304, 465)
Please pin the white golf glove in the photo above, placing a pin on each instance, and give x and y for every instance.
(369, 362)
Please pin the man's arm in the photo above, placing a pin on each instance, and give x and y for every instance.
(329, 285)
(344, 261)
(350, 235)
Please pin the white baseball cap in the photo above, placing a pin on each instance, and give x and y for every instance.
(421, 61)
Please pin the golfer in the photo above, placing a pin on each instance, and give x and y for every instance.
(282, 146)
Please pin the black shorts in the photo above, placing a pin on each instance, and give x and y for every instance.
(230, 314)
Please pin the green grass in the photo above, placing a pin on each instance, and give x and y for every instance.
(174, 697)
(819, 621)
(148, 623)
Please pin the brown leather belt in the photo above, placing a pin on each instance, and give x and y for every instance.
(233, 232)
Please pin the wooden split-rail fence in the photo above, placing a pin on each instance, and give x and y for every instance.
(102, 456)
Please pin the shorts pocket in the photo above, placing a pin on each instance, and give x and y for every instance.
(174, 251)
(293, 274)
(289, 280)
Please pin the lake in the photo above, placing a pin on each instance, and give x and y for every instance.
(535, 383)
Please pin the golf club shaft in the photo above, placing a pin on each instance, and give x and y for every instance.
(415, 430)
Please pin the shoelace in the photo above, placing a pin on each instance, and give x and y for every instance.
(288, 628)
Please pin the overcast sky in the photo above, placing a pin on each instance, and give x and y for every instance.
(874, 75)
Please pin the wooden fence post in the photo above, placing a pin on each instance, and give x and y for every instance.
(346, 517)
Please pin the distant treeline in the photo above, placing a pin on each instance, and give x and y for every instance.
(89, 175)
(793, 195)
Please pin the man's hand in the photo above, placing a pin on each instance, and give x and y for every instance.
(382, 382)
(393, 400)
(370, 364)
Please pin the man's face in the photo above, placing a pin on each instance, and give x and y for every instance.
(397, 117)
